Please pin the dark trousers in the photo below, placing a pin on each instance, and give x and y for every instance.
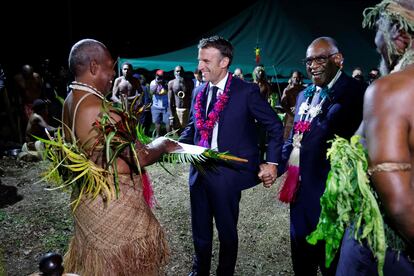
(146, 121)
(211, 198)
(306, 258)
(357, 260)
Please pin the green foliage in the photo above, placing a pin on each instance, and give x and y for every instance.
(2, 263)
(57, 240)
(71, 167)
(200, 161)
(372, 14)
(349, 199)
(118, 132)
(3, 215)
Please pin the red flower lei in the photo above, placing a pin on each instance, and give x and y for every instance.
(302, 126)
(205, 127)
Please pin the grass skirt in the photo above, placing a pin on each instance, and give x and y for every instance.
(119, 238)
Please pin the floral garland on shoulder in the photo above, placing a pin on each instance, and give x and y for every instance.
(206, 126)
(307, 113)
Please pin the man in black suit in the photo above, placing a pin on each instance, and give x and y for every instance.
(331, 105)
(225, 113)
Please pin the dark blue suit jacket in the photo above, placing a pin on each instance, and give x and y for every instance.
(341, 115)
(237, 134)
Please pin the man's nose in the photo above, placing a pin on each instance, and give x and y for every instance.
(313, 64)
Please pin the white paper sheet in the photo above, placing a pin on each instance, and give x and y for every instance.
(185, 148)
(191, 149)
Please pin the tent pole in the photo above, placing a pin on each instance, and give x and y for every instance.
(277, 82)
(119, 66)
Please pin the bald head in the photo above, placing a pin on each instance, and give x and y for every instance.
(323, 60)
(27, 71)
(327, 43)
(83, 52)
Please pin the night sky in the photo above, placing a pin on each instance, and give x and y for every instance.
(34, 30)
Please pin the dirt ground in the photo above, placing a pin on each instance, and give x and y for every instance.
(34, 221)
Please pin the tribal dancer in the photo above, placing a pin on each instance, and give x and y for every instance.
(388, 122)
(114, 235)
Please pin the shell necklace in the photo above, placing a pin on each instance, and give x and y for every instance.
(75, 85)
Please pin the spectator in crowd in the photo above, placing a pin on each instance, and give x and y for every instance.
(198, 78)
(126, 87)
(358, 74)
(238, 73)
(146, 102)
(159, 108)
(36, 127)
(8, 129)
(260, 78)
(27, 87)
(179, 98)
(373, 74)
(288, 102)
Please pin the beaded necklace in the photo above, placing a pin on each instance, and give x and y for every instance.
(75, 85)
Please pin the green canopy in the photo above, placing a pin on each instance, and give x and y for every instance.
(282, 29)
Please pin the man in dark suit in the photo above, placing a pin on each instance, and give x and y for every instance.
(332, 105)
(226, 122)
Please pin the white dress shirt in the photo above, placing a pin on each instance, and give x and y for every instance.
(221, 85)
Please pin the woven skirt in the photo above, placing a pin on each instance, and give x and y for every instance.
(121, 237)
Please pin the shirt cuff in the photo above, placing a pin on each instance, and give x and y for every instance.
(273, 163)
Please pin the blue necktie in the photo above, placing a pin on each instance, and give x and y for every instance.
(213, 92)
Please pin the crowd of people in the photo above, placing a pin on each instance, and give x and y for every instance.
(223, 111)
(169, 99)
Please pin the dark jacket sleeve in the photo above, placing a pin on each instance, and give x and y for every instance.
(264, 114)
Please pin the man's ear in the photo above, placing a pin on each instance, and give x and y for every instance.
(400, 38)
(224, 62)
(93, 67)
(339, 60)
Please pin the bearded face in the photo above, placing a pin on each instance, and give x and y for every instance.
(391, 42)
(383, 67)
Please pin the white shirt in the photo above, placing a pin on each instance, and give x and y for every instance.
(332, 82)
(221, 85)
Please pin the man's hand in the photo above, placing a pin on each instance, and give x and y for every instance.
(268, 174)
(166, 144)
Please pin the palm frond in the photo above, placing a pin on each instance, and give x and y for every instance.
(72, 165)
(140, 133)
(200, 161)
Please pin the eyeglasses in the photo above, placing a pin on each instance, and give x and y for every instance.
(319, 59)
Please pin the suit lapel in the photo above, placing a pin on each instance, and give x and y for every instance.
(221, 121)
(337, 92)
(225, 110)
